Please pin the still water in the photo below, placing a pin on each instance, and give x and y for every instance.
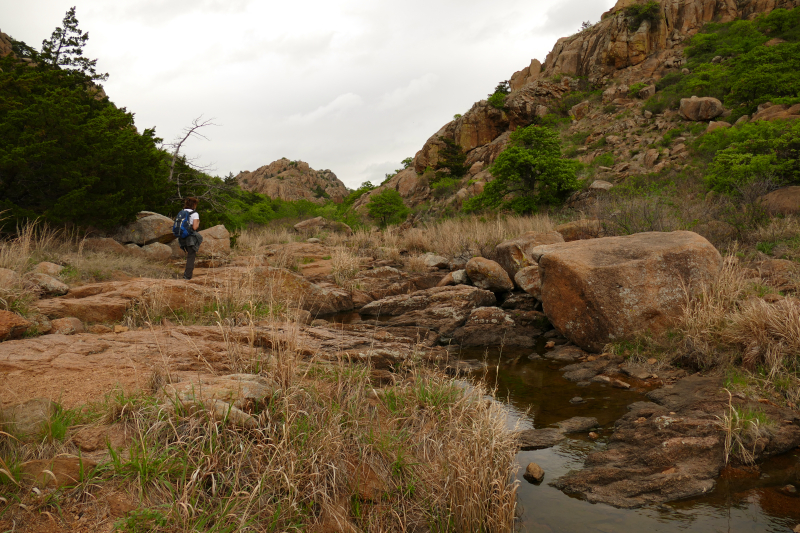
(537, 396)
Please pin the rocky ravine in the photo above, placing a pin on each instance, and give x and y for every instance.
(667, 449)
(293, 180)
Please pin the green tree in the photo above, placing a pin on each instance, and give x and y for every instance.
(65, 48)
(68, 156)
(528, 173)
(387, 207)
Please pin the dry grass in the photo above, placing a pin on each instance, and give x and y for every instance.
(327, 453)
(742, 428)
(345, 267)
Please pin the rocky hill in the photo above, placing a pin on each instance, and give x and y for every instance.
(293, 180)
(612, 56)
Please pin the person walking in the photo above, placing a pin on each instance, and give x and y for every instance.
(191, 243)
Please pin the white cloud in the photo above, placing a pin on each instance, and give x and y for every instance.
(334, 109)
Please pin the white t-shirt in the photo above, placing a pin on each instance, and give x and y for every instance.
(193, 216)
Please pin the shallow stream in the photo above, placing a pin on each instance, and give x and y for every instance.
(537, 396)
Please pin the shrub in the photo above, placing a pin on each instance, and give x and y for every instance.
(498, 100)
(634, 89)
(451, 161)
(445, 187)
(638, 13)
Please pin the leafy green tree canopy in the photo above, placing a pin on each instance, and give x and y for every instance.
(528, 173)
(387, 207)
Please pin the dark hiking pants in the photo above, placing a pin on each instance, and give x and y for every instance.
(191, 253)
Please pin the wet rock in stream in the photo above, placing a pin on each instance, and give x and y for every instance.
(538, 439)
(669, 448)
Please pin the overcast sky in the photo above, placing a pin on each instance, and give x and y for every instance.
(354, 86)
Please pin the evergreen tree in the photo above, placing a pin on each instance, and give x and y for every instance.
(65, 48)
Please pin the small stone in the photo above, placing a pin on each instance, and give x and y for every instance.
(796, 528)
(550, 344)
(620, 384)
(576, 400)
(591, 358)
(641, 420)
(593, 435)
(120, 329)
(651, 361)
(66, 326)
(313, 240)
(100, 329)
(789, 489)
(51, 269)
(668, 471)
(533, 473)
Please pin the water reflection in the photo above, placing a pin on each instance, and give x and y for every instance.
(538, 396)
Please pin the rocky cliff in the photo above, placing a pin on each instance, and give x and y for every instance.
(293, 180)
(611, 55)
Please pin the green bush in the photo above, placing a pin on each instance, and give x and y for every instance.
(638, 13)
(387, 207)
(452, 161)
(754, 152)
(498, 100)
(634, 89)
(528, 173)
(604, 160)
(445, 187)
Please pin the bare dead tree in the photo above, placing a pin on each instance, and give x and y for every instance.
(193, 179)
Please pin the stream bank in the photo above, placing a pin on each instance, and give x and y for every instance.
(537, 395)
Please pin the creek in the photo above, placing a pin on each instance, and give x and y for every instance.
(537, 396)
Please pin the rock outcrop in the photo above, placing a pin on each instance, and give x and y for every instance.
(293, 180)
(317, 224)
(604, 290)
(442, 309)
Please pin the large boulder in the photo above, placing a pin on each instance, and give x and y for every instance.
(148, 228)
(440, 308)
(489, 275)
(157, 251)
(609, 289)
(216, 241)
(514, 254)
(314, 225)
(318, 299)
(51, 269)
(27, 419)
(784, 201)
(701, 109)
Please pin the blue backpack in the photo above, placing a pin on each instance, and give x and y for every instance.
(182, 227)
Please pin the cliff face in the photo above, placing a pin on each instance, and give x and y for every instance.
(293, 180)
(609, 50)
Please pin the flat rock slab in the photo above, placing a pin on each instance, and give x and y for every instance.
(578, 424)
(80, 368)
(539, 439)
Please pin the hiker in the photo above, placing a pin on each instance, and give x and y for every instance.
(186, 224)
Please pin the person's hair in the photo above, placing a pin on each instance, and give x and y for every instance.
(190, 203)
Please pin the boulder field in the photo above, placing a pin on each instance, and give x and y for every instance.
(577, 296)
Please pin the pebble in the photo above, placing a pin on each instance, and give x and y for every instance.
(576, 399)
(593, 435)
(120, 329)
(789, 489)
(550, 344)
